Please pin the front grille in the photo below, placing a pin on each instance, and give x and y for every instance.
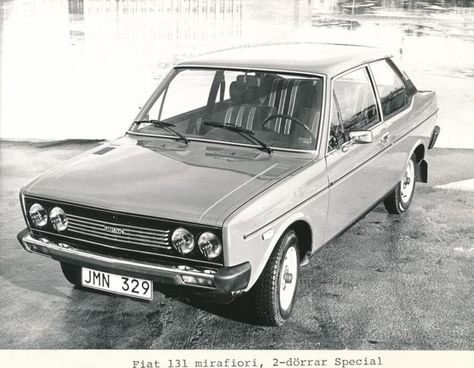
(119, 232)
(129, 235)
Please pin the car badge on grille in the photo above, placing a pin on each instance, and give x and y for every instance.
(113, 230)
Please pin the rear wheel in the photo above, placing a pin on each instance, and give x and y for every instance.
(400, 198)
(72, 273)
(274, 293)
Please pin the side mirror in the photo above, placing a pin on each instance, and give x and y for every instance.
(361, 136)
(357, 136)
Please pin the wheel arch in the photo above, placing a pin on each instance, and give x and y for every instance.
(421, 170)
(304, 234)
(419, 152)
(301, 225)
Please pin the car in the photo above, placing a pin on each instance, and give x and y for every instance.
(240, 166)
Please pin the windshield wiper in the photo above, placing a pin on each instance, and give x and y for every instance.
(166, 126)
(153, 121)
(246, 133)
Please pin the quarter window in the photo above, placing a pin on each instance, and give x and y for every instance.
(394, 95)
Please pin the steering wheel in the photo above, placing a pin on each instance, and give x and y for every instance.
(285, 116)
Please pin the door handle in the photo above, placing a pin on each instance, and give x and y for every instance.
(385, 137)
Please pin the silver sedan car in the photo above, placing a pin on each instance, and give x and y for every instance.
(239, 167)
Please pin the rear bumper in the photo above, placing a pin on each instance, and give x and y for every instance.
(224, 281)
(434, 136)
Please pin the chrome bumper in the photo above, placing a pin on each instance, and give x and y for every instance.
(225, 280)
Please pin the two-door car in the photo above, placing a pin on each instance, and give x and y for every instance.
(239, 167)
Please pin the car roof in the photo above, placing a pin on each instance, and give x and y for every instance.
(328, 59)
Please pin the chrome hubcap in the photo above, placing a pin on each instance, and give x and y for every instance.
(288, 275)
(408, 182)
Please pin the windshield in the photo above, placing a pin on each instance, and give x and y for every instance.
(280, 110)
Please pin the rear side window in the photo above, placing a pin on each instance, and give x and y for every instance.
(394, 95)
(355, 101)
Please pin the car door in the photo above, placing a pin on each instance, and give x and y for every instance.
(357, 179)
(398, 115)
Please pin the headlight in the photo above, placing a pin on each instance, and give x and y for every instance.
(38, 215)
(58, 219)
(210, 245)
(182, 240)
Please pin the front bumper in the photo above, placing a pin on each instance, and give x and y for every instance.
(225, 280)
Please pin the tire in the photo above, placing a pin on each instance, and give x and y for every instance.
(273, 296)
(72, 273)
(400, 198)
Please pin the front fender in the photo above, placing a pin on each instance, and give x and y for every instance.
(278, 229)
(251, 233)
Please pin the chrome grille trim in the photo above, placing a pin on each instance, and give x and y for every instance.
(100, 229)
(121, 239)
(130, 234)
(131, 227)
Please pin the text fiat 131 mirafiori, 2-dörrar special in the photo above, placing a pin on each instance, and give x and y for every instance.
(237, 169)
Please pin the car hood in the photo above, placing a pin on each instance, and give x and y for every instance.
(198, 183)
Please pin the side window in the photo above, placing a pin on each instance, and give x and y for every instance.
(355, 100)
(394, 95)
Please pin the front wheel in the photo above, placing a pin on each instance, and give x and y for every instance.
(274, 293)
(400, 198)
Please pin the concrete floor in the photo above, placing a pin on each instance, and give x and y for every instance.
(388, 283)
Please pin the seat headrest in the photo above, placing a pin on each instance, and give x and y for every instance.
(244, 89)
(237, 92)
(249, 80)
(306, 92)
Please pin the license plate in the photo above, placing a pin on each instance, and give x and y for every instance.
(124, 285)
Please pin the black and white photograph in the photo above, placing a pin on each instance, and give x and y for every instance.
(237, 174)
